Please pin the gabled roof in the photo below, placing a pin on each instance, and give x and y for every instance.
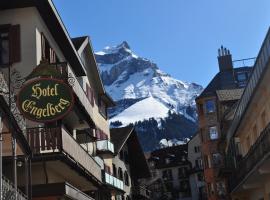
(84, 43)
(223, 80)
(78, 41)
(119, 137)
(127, 135)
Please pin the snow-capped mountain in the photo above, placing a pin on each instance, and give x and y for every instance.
(141, 90)
(128, 76)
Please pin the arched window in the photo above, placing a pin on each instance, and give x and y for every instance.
(126, 178)
(114, 171)
(120, 173)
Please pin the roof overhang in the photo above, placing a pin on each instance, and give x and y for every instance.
(56, 27)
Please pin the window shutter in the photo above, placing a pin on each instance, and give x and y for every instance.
(15, 44)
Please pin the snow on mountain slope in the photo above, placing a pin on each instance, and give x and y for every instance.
(128, 76)
(142, 110)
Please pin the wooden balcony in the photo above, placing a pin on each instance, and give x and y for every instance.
(52, 142)
(141, 191)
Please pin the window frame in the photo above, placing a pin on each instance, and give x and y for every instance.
(210, 134)
(207, 106)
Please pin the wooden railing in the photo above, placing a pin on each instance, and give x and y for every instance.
(260, 150)
(53, 140)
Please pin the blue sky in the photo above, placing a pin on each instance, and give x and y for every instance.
(181, 36)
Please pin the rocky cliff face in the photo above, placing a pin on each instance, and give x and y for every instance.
(136, 83)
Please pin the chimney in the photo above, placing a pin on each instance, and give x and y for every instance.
(224, 59)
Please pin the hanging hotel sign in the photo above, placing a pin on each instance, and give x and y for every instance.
(45, 99)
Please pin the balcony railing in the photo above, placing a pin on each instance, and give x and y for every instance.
(104, 146)
(258, 70)
(259, 151)
(9, 191)
(141, 191)
(58, 140)
(14, 109)
(113, 181)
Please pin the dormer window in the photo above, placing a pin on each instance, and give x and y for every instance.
(242, 78)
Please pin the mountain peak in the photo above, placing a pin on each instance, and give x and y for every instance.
(124, 44)
(123, 48)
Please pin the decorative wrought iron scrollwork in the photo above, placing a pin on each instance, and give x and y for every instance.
(16, 79)
(12, 101)
(71, 79)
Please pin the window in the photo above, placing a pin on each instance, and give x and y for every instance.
(46, 51)
(126, 178)
(200, 177)
(102, 108)
(210, 106)
(151, 163)
(184, 185)
(199, 164)
(197, 149)
(4, 47)
(9, 44)
(182, 172)
(241, 77)
(167, 160)
(216, 159)
(114, 171)
(211, 189)
(221, 190)
(167, 174)
(120, 173)
(213, 133)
